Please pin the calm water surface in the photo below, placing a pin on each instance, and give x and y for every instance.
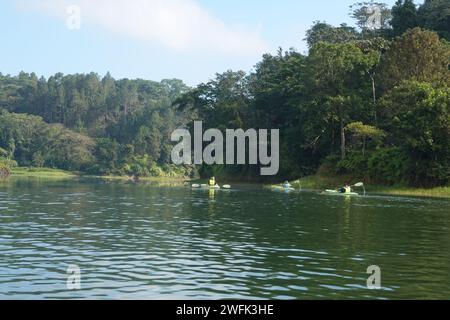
(135, 241)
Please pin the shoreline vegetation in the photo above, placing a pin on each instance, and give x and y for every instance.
(361, 102)
(319, 182)
(48, 173)
(316, 182)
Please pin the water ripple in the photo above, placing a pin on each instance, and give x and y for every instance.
(144, 242)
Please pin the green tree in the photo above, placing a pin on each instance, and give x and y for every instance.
(221, 102)
(336, 72)
(106, 153)
(323, 32)
(67, 149)
(374, 49)
(404, 16)
(417, 116)
(416, 55)
(364, 133)
(38, 160)
(435, 15)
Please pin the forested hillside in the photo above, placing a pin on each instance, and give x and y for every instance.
(84, 122)
(369, 103)
(372, 104)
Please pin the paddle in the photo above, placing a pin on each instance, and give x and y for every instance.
(361, 184)
(226, 186)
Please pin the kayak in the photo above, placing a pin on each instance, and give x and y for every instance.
(337, 193)
(205, 186)
(283, 188)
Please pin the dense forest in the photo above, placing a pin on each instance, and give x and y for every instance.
(85, 123)
(372, 103)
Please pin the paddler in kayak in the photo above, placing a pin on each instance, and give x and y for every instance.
(212, 182)
(287, 185)
(345, 189)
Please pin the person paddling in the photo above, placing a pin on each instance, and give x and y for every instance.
(345, 189)
(286, 185)
(212, 182)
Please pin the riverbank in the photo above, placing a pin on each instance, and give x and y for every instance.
(307, 183)
(47, 173)
(44, 173)
(321, 183)
(141, 179)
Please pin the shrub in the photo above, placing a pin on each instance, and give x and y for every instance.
(355, 162)
(388, 165)
(5, 167)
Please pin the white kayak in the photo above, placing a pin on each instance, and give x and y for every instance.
(337, 193)
(205, 186)
(281, 188)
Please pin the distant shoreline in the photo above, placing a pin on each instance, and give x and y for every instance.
(306, 183)
(318, 182)
(47, 173)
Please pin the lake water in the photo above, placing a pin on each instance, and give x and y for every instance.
(137, 241)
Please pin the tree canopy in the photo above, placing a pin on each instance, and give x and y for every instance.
(368, 102)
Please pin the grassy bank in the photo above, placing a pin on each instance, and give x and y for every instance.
(440, 192)
(45, 173)
(141, 179)
(322, 182)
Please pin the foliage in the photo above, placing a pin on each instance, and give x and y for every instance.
(382, 166)
(389, 166)
(404, 16)
(435, 15)
(91, 124)
(416, 55)
(30, 141)
(365, 103)
(418, 117)
(5, 167)
(323, 32)
(337, 72)
(364, 133)
(329, 97)
(5, 171)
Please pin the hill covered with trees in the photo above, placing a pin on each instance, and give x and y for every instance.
(371, 103)
(368, 103)
(90, 124)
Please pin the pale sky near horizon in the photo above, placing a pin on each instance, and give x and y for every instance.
(156, 39)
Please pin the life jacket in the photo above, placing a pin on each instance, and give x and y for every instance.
(212, 182)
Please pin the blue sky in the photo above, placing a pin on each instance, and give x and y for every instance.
(155, 39)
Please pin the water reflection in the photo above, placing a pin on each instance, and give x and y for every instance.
(146, 241)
